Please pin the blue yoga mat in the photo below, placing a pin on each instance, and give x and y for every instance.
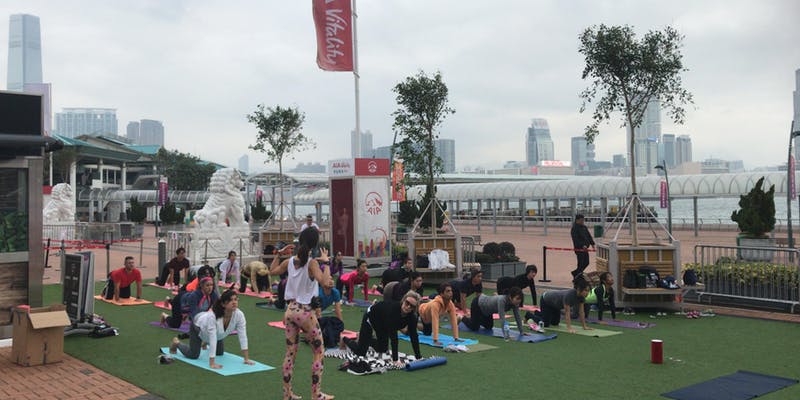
(741, 385)
(444, 339)
(361, 303)
(498, 332)
(425, 363)
(231, 363)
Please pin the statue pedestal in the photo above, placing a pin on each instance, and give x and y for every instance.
(212, 244)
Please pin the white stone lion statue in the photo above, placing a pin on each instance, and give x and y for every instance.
(225, 207)
(61, 207)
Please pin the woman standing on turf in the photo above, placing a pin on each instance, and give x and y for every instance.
(302, 284)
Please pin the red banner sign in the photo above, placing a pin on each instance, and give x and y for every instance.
(398, 189)
(664, 194)
(162, 191)
(372, 166)
(333, 20)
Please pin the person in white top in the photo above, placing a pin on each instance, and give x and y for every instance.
(302, 284)
(230, 267)
(309, 224)
(212, 327)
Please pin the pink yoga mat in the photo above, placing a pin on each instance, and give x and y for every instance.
(280, 325)
(153, 284)
(374, 292)
(162, 304)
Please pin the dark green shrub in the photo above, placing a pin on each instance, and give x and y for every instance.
(757, 214)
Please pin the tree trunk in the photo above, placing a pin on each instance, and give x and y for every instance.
(634, 210)
(280, 185)
(433, 204)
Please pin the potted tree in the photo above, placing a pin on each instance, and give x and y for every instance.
(756, 218)
(498, 260)
(137, 213)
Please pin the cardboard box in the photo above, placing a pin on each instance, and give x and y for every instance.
(38, 336)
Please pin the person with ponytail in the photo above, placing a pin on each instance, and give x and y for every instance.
(187, 304)
(302, 285)
(212, 327)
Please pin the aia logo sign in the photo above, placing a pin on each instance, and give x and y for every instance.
(372, 167)
(373, 203)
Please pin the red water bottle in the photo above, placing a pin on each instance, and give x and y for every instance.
(657, 351)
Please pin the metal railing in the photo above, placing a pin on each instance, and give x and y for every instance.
(759, 274)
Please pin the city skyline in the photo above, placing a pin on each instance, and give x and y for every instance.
(741, 57)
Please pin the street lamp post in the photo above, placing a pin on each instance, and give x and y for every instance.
(663, 167)
(789, 185)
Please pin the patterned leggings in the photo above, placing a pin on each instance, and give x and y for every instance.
(300, 317)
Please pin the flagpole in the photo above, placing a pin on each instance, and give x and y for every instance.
(355, 79)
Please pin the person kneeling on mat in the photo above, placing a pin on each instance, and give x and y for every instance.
(554, 301)
(442, 304)
(258, 275)
(483, 307)
(603, 297)
(212, 327)
(385, 318)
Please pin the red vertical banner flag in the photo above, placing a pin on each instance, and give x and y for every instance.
(663, 194)
(792, 187)
(163, 194)
(333, 20)
(398, 189)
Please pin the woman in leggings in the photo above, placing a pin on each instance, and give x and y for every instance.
(302, 284)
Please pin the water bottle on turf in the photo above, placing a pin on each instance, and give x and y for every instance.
(506, 331)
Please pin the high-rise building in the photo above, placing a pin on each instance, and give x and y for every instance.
(446, 150)
(151, 132)
(538, 145)
(683, 149)
(382, 152)
(668, 149)
(24, 51)
(132, 132)
(646, 138)
(72, 122)
(582, 153)
(618, 161)
(146, 132)
(244, 163)
(366, 144)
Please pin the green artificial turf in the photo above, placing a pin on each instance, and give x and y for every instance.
(615, 367)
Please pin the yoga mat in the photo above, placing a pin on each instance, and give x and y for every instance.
(163, 304)
(131, 301)
(444, 339)
(374, 292)
(741, 385)
(425, 363)
(271, 306)
(345, 333)
(580, 331)
(361, 303)
(165, 287)
(621, 323)
(480, 347)
(530, 308)
(183, 328)
(515, 336)
(231, 363)
(494, 316)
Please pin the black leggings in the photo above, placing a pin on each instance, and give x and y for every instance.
(162, 279)
(176, 319)
(124, 292)
(477, 318)
(365, 339)
(261, 282)
(550, 315)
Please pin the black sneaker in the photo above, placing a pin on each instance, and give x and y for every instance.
(165, 359)
(183, 336)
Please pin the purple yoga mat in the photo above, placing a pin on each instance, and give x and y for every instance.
(623, 323)
(183, 328)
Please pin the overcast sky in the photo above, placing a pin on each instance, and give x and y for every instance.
(202, 66)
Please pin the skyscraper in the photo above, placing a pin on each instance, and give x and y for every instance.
(366, 144)
(132, 132)
(24, 51)
(446, 150)
(244, 164)
(683, 149)
(382, 152)
(646, 138)
(539, 145)
(72, 122)
(582, 153)
(151, 132)
(668, 152)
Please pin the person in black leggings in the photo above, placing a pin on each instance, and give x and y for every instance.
(385, 318)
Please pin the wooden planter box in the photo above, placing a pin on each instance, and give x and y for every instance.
(495, 271)
(618, 257)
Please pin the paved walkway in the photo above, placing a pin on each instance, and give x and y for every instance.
(68, 379)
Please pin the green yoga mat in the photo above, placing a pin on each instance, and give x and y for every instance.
(580, 331)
